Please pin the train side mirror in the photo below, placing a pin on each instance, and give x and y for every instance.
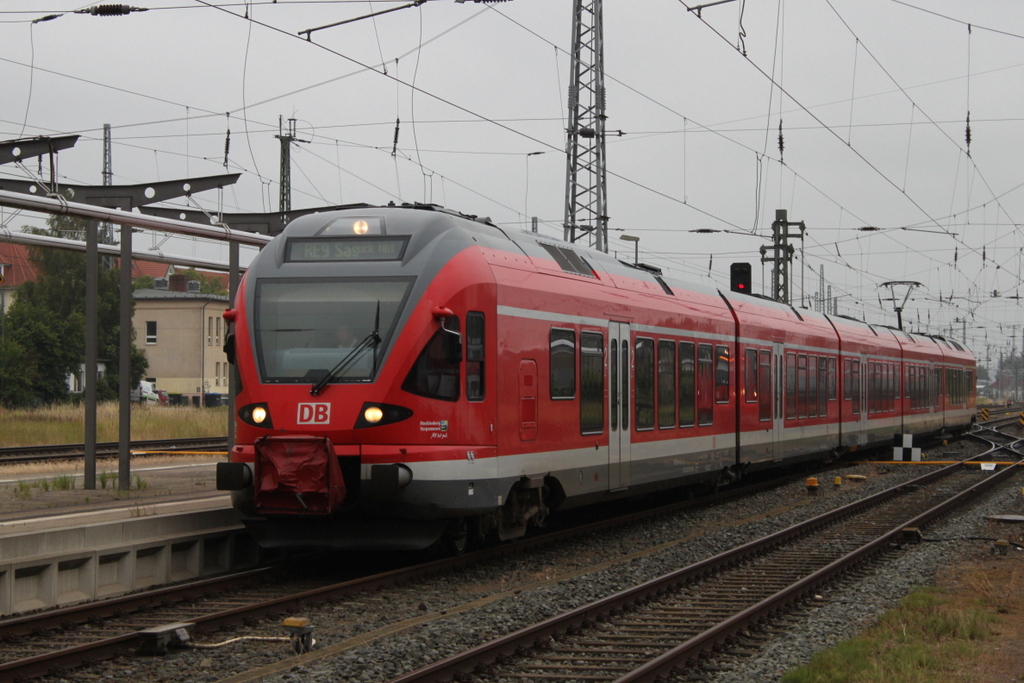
(229, 347)
(452, 345)
(452, 338)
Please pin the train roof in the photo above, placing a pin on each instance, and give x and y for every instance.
(531, 251)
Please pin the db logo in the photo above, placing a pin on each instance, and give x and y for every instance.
(314, 413)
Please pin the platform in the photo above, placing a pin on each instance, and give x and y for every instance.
(61, 544)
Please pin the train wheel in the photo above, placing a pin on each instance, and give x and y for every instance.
(456, 537)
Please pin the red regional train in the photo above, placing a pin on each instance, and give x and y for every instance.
(408, 374)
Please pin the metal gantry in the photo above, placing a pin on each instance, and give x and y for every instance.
(586, 211)
(782, 254)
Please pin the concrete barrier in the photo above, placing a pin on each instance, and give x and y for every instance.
(65, 559)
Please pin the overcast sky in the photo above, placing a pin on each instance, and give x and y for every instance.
(872, 95)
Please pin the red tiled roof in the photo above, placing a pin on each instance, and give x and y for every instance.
(140, 268)
(20, 269)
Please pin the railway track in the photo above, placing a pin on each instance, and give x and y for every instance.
(20, 454)
(36, 645)
(648, 632)
(39, 644)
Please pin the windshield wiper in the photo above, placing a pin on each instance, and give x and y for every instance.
(370, 340)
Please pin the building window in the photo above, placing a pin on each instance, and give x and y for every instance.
(216, 376)
(217, 326)
(151, 332)
(563, 363)
(209, 330)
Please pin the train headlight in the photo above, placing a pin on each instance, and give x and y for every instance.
(360, 227)
(257, 415)
(378, 414)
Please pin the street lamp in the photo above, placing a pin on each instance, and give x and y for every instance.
(526, 198)
(636, 247)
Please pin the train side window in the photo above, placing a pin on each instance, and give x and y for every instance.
(895, 384)
(822, 386)
(705, 385)
(801, 385)
(687, 385)
(591, 383)
(872, 389)
(666, 384)
(764, 381)
(435, 374)
(475, 356)
(847, 379)
(722, 372)
(832, 379)
(855, 381)
(812, 386)
(644, 373)
(790, 386)
(563, 363)
(750, 388)
(624, 349)
(613, 372)
(911, 384)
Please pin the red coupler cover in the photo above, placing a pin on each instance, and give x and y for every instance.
(297, 475)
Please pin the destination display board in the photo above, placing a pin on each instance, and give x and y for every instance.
(313, 249)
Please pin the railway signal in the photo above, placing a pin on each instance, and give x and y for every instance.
(739, 277)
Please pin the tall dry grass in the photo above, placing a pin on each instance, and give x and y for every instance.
(65, 424)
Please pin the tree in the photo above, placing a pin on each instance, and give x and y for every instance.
(207, 284)
(46, 324)
(144, 282)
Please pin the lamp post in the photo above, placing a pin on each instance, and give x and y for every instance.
(636, 246)
(526, 198)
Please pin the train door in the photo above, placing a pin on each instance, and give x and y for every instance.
(618, 405)
(778, 414)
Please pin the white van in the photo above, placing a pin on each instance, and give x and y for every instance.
(145, 393)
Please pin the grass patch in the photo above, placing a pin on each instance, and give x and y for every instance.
(65, 424)
(64, 482)
(924, 640)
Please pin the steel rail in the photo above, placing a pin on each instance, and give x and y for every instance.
(18, 454)
(508, 646)
(84, 654)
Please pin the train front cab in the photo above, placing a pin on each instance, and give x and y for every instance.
(427, 454)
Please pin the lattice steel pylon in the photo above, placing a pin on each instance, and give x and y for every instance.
(586, 182)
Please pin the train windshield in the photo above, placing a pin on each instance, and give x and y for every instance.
(304, 328)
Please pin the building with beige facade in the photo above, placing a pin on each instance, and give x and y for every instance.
(182, 335)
